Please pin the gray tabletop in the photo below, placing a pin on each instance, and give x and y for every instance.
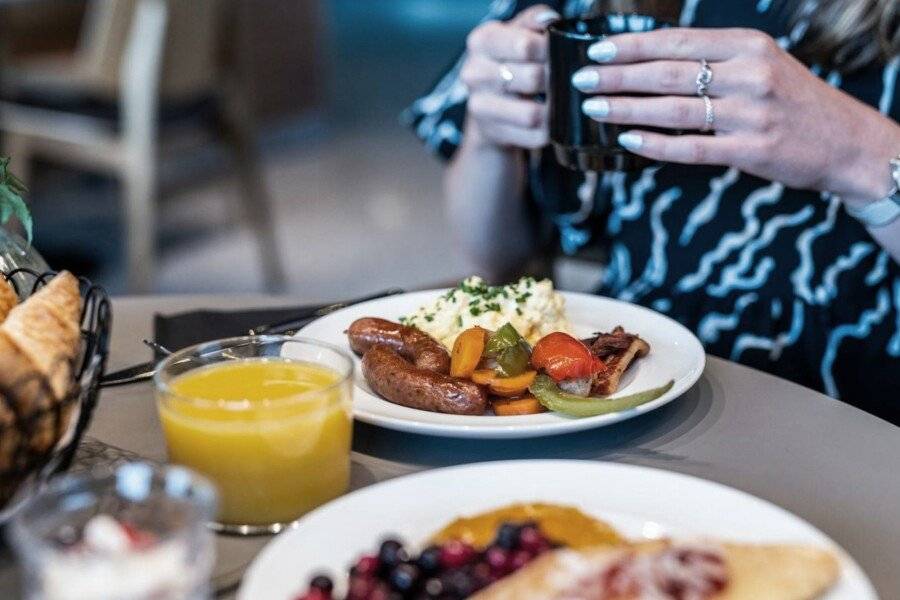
(827, 462)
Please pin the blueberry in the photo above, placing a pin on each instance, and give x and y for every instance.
(404, 577)
(391, 554)
(508, 536)
(434, 587)
(322, 582)
(458, 583)
(430, 559)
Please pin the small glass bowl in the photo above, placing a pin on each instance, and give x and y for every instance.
(165, 511)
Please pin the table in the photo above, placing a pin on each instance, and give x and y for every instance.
(827, 462)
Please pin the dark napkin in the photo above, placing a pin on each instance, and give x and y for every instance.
(180, 330)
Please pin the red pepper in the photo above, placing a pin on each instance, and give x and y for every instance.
(561, 357)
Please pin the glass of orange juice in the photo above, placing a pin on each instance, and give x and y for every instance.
(267, 418)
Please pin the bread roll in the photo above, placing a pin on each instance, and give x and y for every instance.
(8, 298)
(39, 340)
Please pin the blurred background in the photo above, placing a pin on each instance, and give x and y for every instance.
(231, 145)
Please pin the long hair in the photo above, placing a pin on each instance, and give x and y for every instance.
(849, 34)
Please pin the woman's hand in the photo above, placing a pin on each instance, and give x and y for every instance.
(504, 68)
(773, 117)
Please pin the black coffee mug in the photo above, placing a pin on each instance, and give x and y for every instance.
(579, 142)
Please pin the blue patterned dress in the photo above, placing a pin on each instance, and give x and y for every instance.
(780, 279)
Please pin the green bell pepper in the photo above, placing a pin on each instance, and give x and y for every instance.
(553, 398)
(510, 350)
(500, 340)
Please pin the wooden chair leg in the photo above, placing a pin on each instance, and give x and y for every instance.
(139, 89)
(139, 195)
(256, 202)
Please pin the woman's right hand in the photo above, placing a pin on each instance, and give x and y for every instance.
(504, 69)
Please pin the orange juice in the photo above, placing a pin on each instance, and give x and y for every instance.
(273, 434)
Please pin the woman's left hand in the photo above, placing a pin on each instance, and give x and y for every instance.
(773, 117)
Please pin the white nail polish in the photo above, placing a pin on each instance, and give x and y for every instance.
(586, 80)
(597, 108)
(547, 17)
(603, 51)
(631, 141)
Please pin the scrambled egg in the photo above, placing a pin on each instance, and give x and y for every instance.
(532, 307)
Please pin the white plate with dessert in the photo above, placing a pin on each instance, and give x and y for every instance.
(564, 529)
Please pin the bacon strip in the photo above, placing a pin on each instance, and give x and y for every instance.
(617, 349)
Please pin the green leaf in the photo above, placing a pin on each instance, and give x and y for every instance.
(11, 202)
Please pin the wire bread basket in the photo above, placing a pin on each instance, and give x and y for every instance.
(39, 438)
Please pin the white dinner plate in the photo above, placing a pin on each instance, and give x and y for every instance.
(675, 354)
(638, 501)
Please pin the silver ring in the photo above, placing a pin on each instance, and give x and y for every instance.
(704, 78)
(507, 76)
(710, 120)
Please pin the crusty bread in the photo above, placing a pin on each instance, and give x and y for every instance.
(39, 340)
(773, 572)
(8, 298)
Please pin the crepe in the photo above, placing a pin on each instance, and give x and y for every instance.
(751, 572)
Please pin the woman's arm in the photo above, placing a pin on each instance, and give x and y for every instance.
(773, 117)
(484, 186)
(486, 180)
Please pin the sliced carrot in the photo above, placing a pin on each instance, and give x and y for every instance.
(512, 386)
(510, 407)
(467, 351)
(483, 376)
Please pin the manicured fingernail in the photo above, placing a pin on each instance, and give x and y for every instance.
(595, 107)
(631, 141)
(586, 80)
(603, 51)
(547, 17)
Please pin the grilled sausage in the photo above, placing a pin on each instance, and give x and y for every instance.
(412, 344)
(397, 380)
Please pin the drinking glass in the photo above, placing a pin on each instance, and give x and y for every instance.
(267, 418)
(134, 532)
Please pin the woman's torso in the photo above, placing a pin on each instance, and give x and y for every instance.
(780, 279)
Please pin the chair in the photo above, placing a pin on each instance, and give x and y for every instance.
(138, 55)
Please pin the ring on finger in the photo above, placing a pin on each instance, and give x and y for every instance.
(704, 78)
(709, 121)
(506, 76)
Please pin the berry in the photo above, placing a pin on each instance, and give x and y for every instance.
(323, 583)
(532, 540)
(379, 593)
(316, 594)
(404, 577)
(391, 554)
(482, 575)
(458, 583)
(434, 587)
(455, 554)
(360, 588)
(497, 559)
(508, 536)
(367, 565)
(519, 559)
(430, 559)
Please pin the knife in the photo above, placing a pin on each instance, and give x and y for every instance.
(144, 371)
